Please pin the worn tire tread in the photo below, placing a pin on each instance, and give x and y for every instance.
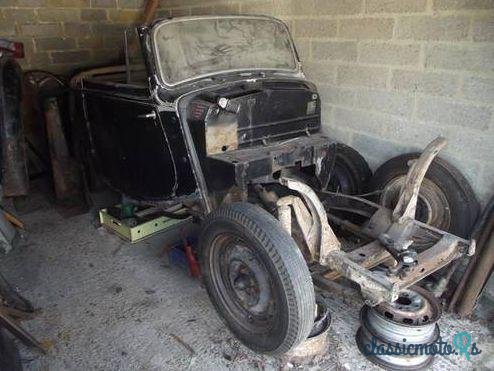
(355, 165)
(463, 202)
(287, 260)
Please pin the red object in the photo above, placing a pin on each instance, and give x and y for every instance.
(194, 268)
(18, 50)
(14, 48)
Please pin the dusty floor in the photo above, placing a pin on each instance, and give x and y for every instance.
(107, 304)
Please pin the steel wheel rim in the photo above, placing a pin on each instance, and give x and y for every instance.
(243, 283)
(414, 306)
(409, 321)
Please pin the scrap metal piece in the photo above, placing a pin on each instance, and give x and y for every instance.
(17, 330)
(317, 341)
(377, 287)
(328, 241)
(407, 202)
(479, 268)
(409, 322)
(13, 309)
(308, 225)
(392, 234)
(367, 256)
(397, 238)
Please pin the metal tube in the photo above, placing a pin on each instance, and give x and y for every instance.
(481, 233)
(480, 273)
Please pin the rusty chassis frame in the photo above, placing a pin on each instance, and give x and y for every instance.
(392, 234)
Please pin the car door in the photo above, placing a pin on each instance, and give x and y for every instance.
(129, 141)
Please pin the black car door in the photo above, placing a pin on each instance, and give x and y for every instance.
(129, 141)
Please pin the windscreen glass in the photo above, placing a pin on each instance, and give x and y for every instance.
(191, 48)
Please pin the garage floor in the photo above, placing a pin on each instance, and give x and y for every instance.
(106, 304)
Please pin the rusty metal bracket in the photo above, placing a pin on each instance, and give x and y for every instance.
(407, 202)
(397, 238)
(310, 229)
(319, 229)
(376, 286)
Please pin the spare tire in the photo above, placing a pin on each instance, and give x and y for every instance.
(351, 172)
(446, 199)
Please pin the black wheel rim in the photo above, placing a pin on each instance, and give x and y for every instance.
(243, 283)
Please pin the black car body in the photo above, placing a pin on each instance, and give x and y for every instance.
(214, 131)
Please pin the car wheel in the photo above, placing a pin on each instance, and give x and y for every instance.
(257, 278)
(446, 199)
(351, 172)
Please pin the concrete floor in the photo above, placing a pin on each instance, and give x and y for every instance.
(106, 304)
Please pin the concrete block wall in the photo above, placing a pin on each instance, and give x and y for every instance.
(62, 35)
(392, 74)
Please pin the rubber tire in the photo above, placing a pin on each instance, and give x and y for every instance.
(463, 204)
(350, 168)
(285, 264)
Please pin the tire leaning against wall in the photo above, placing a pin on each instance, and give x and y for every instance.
(445, 186)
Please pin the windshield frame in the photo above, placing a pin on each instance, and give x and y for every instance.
(159, 71)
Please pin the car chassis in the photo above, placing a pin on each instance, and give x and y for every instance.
(392, 231)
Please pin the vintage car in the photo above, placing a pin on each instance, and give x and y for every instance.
(215, 114)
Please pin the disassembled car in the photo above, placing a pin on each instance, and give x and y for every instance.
(215, 114)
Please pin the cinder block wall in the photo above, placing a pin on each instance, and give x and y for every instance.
(60, 35)
(392, 74)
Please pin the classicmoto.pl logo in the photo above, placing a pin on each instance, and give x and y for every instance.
(462, 345)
